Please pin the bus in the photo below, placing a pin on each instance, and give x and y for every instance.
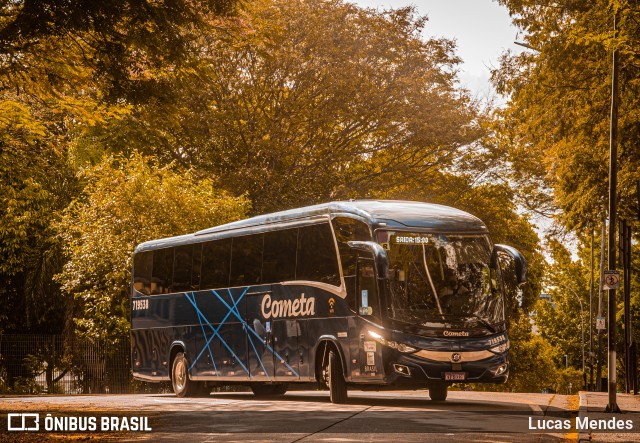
(352, 294)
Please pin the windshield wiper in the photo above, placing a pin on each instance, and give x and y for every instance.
(484, 323)
(433, 288)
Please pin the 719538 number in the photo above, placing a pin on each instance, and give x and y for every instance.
(140, 304)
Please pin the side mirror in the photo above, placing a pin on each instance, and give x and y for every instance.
(379, 255)
(519, 262)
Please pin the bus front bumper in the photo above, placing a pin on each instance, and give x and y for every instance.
(415, 368)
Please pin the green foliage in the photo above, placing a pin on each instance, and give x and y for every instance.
(35, 182)
(555, 127)
(122, 45)
(562, 323)
(531, 359)
(309, 101)
(126, 202)
(554, 132)
(68, 68)
(285, 103)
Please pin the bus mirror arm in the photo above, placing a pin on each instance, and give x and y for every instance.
(379, 254)
(518, 258)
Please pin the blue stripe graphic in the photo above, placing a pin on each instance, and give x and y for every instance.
(215, 333)
(255, 333)
(200, 318)
(232, 310)
(244, 327)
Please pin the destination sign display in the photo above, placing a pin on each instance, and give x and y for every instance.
(403, 239)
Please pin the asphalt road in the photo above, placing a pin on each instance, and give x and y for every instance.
(308, 416)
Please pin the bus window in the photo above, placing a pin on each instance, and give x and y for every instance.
(182, 265)
(349, 229)
(142, 264)
(279, 260)
(195, 269)
(316, 258)
(216, 256)
(246, 260)
(162, 271)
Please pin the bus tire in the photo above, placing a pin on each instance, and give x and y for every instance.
(336, 382)
(266, 390)
(438, 391)
(182, 385)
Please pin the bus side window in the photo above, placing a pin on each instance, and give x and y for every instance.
(246, 260)
(216, 257)
(279, 260)
(196, 267)
(162, 271)
(316, 258)
(182, 264)
(142, 264)
(348, 229)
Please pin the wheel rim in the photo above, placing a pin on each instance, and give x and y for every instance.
(180, 376)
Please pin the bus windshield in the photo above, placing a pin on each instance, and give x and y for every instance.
(439, 280)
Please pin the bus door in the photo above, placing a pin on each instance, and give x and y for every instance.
(260, 338)
(370, 352)
(286, 335)
(287, 339)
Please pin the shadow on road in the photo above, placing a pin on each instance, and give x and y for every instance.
(419, 402)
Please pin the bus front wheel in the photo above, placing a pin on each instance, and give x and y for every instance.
(182, 385)
(438, 391)
(336, 382)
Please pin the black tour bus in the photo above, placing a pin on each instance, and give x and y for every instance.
(367, 294)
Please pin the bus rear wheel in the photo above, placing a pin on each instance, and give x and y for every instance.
(263, 390)
(182, 385)
(335, 379)
(438, 391)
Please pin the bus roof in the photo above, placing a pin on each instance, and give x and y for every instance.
(387, 214)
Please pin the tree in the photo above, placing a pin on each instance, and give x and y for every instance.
(319, 101)
(560, 322)
(126, 202)
(531, 358)
(67, 68)
(51, 44)
(35, 183)
(555, 127)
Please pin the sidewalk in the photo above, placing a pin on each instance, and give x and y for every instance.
(593, 404)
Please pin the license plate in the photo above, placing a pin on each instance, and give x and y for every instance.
(455, 376)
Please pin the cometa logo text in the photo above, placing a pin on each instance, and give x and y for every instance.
(455, 333)
(298, 307)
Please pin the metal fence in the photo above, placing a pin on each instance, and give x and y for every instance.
(53, 364)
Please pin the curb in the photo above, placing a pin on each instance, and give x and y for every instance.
(583, 435)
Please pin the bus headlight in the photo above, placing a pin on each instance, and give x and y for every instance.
(503, 347)
(501, 369)
(392, 344)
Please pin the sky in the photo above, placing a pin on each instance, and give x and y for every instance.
(481, 28)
